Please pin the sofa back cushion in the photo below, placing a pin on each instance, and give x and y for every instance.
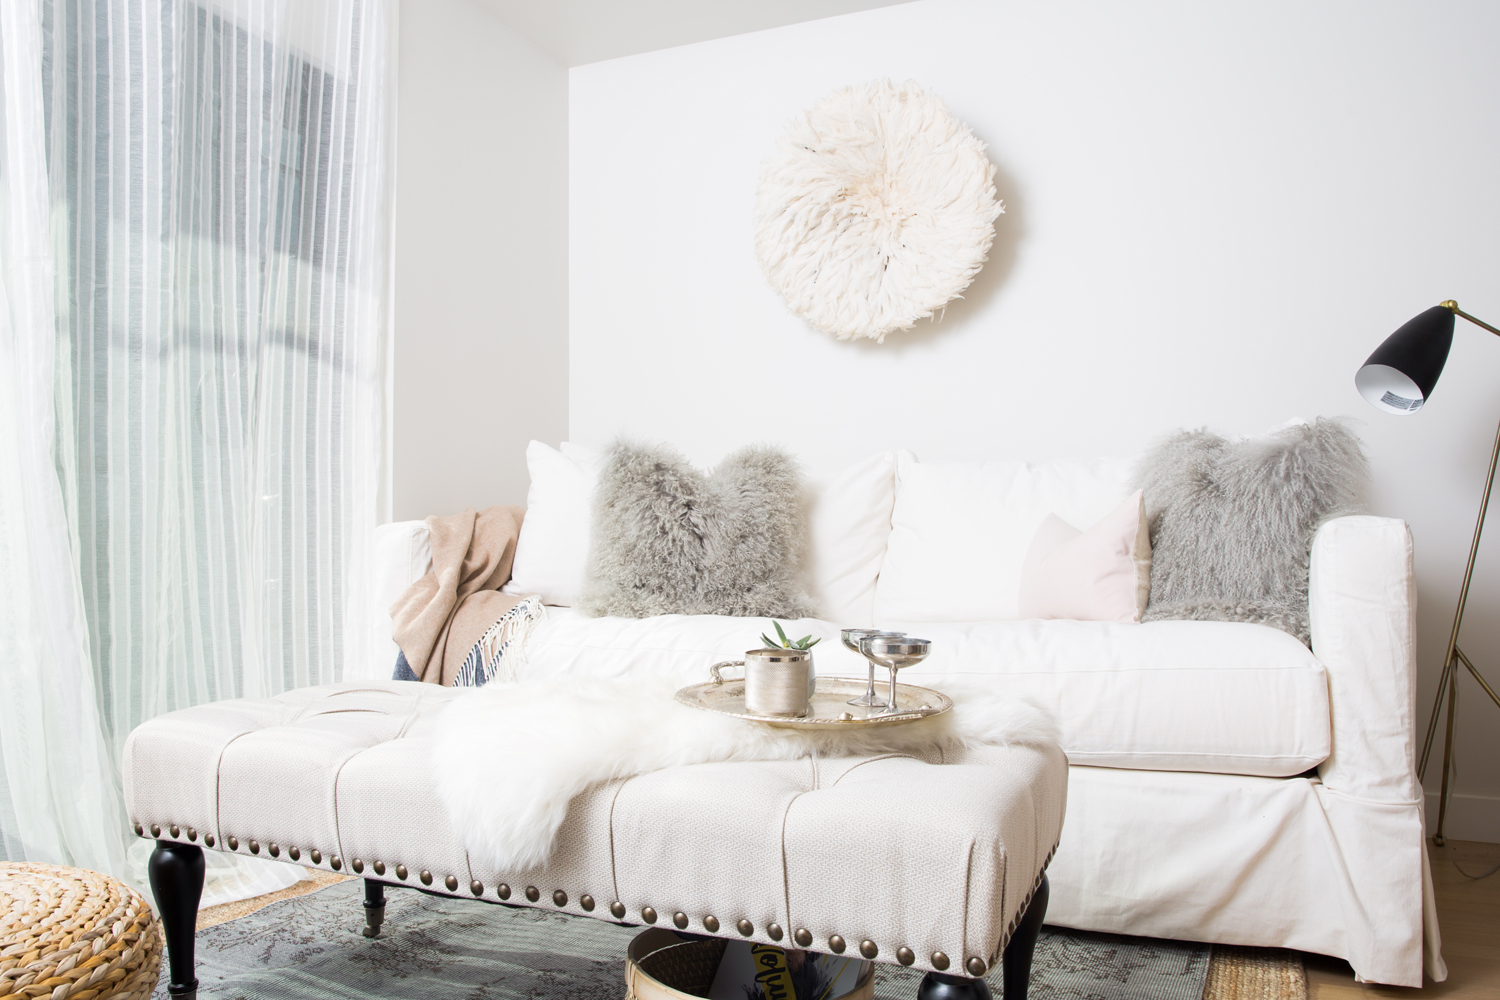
(849, 521)
(960, 531)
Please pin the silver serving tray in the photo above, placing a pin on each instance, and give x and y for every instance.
(829, 705)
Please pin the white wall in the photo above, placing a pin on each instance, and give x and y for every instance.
(481, 353)
(1215, 213)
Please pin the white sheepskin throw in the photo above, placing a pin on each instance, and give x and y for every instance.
(878, 209)
(506, 766)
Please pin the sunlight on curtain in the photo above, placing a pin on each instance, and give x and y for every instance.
(58, 800)
(220, 205)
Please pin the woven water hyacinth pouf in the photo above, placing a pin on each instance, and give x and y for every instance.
(71, 934)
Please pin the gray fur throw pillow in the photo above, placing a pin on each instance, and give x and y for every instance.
(1232, 522)
(669, 539)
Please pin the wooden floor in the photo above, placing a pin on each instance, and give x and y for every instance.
(1469, 918)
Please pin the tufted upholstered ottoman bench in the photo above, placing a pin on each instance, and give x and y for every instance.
(932, 863)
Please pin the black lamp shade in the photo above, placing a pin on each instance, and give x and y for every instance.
(1400, 375)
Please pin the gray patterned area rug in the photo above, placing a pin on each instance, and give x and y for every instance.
(311, 947)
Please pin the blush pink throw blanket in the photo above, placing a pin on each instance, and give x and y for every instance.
(441, 616)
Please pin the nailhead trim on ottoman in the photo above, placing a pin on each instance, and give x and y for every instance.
(981, 823)
(71, 934)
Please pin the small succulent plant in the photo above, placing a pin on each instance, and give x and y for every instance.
(806, 642)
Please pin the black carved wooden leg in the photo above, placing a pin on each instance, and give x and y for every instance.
(176, 872)
(374, 907)
(1016, 961)
(941, 986)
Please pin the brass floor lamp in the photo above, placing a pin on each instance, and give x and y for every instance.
(1398, 378)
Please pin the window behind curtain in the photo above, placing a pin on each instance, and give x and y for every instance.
(219, 193)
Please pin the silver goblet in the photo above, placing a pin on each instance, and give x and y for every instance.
(894, 653)
(851, 637)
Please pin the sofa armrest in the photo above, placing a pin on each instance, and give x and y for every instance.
(1362, 603)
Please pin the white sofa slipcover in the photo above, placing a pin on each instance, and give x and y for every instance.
(1228, 784)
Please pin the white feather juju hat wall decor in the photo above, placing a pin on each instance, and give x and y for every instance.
(877, 210)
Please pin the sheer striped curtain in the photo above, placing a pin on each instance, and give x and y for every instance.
(220, 211)
(58, 800)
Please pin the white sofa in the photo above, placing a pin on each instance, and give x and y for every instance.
(1227, 784)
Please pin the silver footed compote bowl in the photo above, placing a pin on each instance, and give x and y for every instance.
(894, 652)
(851, 638)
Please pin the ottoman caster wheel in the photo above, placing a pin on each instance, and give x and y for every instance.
(374, 908)
(940, 986)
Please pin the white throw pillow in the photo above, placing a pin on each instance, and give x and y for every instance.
(1099, 575)
(591, 460)
(554, 544)
(849, 523)
(960, 531)
(402, 556)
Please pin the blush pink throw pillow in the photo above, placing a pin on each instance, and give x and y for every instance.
(1100, 575)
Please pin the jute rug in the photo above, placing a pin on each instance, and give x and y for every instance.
(213, 915)
(305, 942)
(1255, 974)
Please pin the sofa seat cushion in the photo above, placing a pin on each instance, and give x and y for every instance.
(1221, 697)
(340, 777)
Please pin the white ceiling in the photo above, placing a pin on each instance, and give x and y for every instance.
(575, 32)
